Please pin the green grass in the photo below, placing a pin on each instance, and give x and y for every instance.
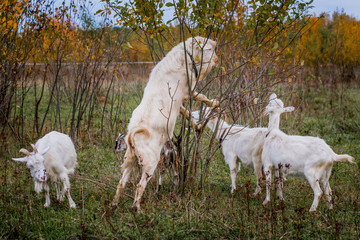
(211, 212)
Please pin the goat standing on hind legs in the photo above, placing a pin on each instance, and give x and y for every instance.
(153, 121)
(168, 159)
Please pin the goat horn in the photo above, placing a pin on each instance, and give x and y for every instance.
(34, 148)
(24, 151)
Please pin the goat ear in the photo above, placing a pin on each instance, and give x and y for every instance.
(273, 96)
(289, 109)
(43, 152)
(24, 159)
(226, 119)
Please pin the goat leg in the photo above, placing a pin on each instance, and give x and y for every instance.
(187, 115)
(198, 97)
(201, 97)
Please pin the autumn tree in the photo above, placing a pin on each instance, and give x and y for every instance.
(49, 59)
(252, 37)
(16, 49)
(331, 44)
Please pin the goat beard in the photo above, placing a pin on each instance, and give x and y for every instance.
(38, 186)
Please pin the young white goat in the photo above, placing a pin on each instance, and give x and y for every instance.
(153, 121)
(120, 144)
(53, 157)
(239, 144)
(304, 155)
(168, 158)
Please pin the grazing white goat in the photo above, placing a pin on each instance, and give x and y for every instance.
(168, 158)
(239, 144)
(290, 154)
(54, 157)
(120, 144)
(153, 121)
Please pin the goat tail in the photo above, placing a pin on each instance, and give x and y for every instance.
(344, 158)
(132, 134)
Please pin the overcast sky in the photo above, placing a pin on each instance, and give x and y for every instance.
(350, 7)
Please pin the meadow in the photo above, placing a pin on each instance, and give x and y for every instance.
(64, 69)
(196, 213)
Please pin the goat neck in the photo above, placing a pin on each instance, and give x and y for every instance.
(222, 126)
(274, 122)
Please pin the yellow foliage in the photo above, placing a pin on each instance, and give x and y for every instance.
(349, 31)
(10, 13)
(335, 41)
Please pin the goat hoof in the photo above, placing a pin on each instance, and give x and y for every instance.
(265, 202)
(330, 205)
(280, 198)
(215, 103)
(136, 208)
(109, 211)
(256, 193)
(312, 210)
(113, 205)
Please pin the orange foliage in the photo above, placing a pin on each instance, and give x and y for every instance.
(10, 13)
(58, 34)
(334, 41)
(349, 31)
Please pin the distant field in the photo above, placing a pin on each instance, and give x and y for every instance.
(208, 213)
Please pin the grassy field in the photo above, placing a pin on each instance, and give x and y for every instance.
(209, 213)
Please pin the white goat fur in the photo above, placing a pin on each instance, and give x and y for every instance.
(153, 121)
(54, 155)
(239, 144)
(168, 158)
(301, 155)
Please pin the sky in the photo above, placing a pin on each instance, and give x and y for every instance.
(350, 7)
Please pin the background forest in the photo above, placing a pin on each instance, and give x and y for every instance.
(63, 69)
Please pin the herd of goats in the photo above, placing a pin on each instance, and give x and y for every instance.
(150, 130)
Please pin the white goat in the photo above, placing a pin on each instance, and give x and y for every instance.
(120, 144)
(153, 121)
(54, 155)
(239, 144)
(304, 155)
(168, 158)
